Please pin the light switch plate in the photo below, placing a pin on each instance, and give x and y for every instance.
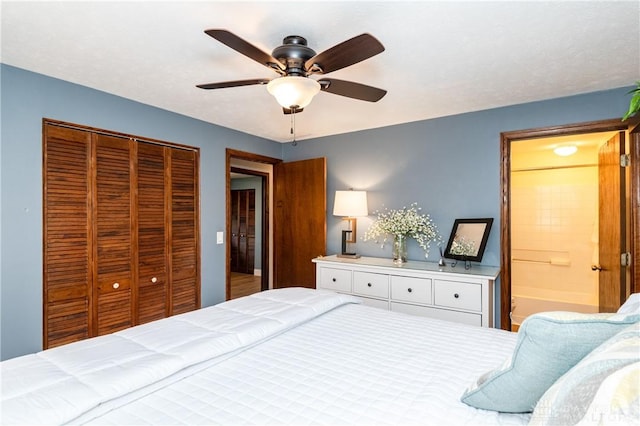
(219, 237)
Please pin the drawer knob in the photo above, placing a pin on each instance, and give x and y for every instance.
(409, 289)
(334, 280)
(154, 280)
(116, 285)
(456, 295)
(368, 284)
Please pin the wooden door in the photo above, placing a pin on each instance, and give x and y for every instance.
(635, 209)
(67, 275)
(612, 224)
(113, 229)
(152, 299)
(612, 241)
(243, 230)
(185, 235)
(300, 232)
(250, 254)
(235, 231)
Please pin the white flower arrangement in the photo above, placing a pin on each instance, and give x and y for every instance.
(406, 222)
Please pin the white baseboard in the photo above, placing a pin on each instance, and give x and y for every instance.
(257, 272)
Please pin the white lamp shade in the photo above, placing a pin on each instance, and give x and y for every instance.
(350, 204)
(293, 91)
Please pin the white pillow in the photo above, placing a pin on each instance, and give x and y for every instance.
(631, 306)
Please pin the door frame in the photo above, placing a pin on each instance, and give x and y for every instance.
(230, 155)
(506, 138)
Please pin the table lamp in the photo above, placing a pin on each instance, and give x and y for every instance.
(350, 204)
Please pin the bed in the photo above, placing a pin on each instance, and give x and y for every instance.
(290, 356)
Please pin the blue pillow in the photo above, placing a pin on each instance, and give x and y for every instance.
(548, 345)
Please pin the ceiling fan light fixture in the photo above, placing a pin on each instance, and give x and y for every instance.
(293, 92)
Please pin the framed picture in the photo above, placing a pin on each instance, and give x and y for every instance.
(468, 239)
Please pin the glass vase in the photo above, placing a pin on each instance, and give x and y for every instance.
(399, 249)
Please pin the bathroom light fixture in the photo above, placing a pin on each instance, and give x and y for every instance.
(293, 92)
(350, 204)
(566, 150)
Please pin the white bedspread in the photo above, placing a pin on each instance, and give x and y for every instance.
(284, 357)
(61, 384)
(355, 365)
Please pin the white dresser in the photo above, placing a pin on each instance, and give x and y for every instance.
(418, 288)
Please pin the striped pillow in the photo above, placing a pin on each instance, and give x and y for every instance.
(603, 388)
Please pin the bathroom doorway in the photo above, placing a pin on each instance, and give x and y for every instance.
(555, 224)
(554, 254)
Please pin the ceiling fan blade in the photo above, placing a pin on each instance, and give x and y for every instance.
(344, 54)
(247, 49)
(351, 89)
(236, 83)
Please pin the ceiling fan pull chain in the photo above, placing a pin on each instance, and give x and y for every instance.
(293, 126)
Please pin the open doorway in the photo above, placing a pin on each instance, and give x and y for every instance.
(524, 256)
(294, 217)
(246, 237)
(555, 224)
(249, 246)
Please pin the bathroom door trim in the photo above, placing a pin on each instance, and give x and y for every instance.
(506, 138)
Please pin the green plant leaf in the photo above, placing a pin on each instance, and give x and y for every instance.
(634, 104)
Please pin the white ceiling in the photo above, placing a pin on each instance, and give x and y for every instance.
(441, 58)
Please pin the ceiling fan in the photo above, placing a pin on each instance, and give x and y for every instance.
(295, 62)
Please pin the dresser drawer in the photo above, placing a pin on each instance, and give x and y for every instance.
(370, 284)
(335, 279)
(409, 289)
(459, 295)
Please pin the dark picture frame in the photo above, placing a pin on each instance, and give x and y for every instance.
(468, 239)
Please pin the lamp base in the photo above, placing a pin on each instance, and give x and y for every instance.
(349, 255)
(344, 247)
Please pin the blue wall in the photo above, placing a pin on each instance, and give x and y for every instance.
(449, 165)
(25, 99)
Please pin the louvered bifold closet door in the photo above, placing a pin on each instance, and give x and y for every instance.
(66, 236)
(152, 233)
(121, 231)
(185, 258)
(114, 230)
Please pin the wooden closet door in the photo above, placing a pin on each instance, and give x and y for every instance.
(68, 280)
(152, 233)
(120, 232)
(114, 244)
(235, 230)
(251, 232)
(185, 236)
(243, 230)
